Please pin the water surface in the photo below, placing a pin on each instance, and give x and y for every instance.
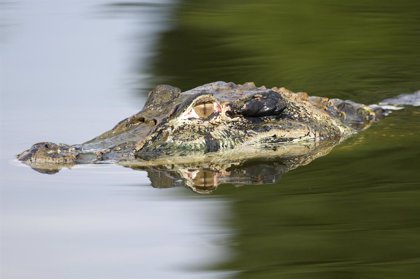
(72, 70)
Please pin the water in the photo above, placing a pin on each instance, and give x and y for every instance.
(71, 70)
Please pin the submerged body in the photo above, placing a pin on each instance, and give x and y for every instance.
(218, 121)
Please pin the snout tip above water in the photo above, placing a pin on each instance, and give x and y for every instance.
(48, 153)
(33, 153)
(48, 157)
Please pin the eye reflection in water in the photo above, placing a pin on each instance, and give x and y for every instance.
(206, 177)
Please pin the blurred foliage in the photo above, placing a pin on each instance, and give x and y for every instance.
(356, 50)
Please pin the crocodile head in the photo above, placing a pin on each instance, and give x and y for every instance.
(235, 118)
(218, 118)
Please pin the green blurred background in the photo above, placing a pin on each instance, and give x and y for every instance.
(354, 213)
(360, 49)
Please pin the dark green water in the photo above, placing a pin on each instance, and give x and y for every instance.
(355, 212)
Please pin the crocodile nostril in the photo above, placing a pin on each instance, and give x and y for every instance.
(229, 111)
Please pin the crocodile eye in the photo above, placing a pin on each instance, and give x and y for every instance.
(204, 110)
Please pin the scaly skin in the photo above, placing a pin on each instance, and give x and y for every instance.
(216, 121)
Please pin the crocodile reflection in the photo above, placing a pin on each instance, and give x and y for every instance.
(205, 177)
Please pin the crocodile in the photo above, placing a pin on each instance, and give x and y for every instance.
(216, 123)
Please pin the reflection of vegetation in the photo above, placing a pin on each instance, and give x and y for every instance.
(354, 213)
(351, 214)
(326, 47)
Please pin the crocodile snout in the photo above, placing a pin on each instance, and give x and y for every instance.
(48, 153)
